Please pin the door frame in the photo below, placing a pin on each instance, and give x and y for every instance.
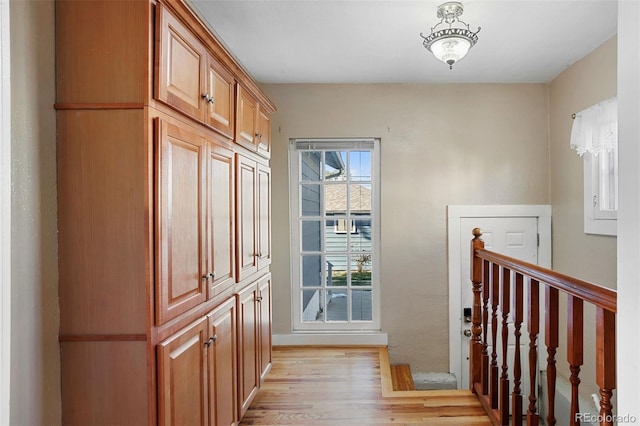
(455, 214)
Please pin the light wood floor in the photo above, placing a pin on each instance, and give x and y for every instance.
(351, 386)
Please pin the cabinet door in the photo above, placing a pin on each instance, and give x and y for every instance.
(246, 120)
(180, 204)
(182, 372)
(222, 366)
(248, 373)
(264, 324)
(247, 217)
(221, 232)
(264, 216)
(181, 66)
(264, 132)
(220, 111)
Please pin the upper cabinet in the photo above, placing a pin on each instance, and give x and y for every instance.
(190, 79)
(253, 124)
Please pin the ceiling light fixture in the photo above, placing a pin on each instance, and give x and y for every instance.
(451, 44)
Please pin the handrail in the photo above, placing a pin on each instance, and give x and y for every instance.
(501, 285)
(589, 292)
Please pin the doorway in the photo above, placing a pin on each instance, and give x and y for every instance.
(520, 231)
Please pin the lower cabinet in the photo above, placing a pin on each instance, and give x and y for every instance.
(210, 371)
(197, 371)
(254, 339)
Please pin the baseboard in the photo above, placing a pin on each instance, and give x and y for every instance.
(331, 339)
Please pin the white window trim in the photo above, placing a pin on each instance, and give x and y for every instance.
(592, 223)
(5, 214)
(330, 329)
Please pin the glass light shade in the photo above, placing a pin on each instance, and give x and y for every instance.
(450, 49)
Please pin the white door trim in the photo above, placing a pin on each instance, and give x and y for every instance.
(455, 213)
(5, 213)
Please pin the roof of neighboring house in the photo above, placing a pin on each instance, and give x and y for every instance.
(336, 198)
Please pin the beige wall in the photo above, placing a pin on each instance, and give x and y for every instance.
(590, 257)
(441, 145)
(35, 358)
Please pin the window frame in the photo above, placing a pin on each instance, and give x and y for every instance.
(597, 221)
(296, 220)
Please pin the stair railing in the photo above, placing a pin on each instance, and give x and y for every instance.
(495, 293)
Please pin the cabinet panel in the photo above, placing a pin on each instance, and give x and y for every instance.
(264, 132)
(222, 366)
(247, 217)
(181, 66)
(222, 221)
(248, 378)
(180, 246)
(246, 120)
(220, 108)
(264, 216)
(182, 372)
(264, 324)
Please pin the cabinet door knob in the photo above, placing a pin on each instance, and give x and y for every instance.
(213, 274)
(206, 97)
(259, 136)
(205, 277)
(214, 338)
(259, 298)
(211, 100)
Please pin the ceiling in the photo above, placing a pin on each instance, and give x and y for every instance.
(378, 41)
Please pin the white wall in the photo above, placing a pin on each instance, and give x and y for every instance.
(628, 321)
(440, 145)
(35, 355)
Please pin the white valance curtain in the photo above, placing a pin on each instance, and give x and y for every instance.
(595, 129)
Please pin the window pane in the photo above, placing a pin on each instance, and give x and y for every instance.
(310, 165)
(312, 305)
(361, 270)
(335, 165)
(311, 271)
(362, 239)
(336, 270)
(335, 198)
(310, 199)
(335, 235)
(311, 235)
(361, 305)
(360, 165)
(337, 305)
(608, 182)
(360, 199)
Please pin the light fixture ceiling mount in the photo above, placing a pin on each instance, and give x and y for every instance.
(452, 42)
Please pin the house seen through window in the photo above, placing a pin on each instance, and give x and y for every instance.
(334, 228)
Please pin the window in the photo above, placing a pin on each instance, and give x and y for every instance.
(335, 232)
(595, 137)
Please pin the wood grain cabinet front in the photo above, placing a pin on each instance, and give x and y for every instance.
(190, 79)
(253, 124)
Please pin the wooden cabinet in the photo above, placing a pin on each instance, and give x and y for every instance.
(253, 216)
(161, 225)
(182, 376)
(264, 326)
(190, 79)
(181, 268)
(220, 108)
(221, 219)
(254, 339)
(253, 124)
(248, 341)
(221, 365)
(197, 371)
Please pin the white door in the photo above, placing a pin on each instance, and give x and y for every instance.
(512, 236)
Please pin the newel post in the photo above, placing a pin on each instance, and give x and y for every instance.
(475, 348)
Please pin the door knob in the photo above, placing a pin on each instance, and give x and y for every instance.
(467, 332)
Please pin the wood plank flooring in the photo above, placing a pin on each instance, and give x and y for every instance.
(351, 386)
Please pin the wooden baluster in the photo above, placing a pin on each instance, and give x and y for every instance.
(605, 361)
(574, 351)
(516, 398)
(486, 290)
(495, 298)
(551, 338)
(475, 348)
(504, 379)
(533, 326)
